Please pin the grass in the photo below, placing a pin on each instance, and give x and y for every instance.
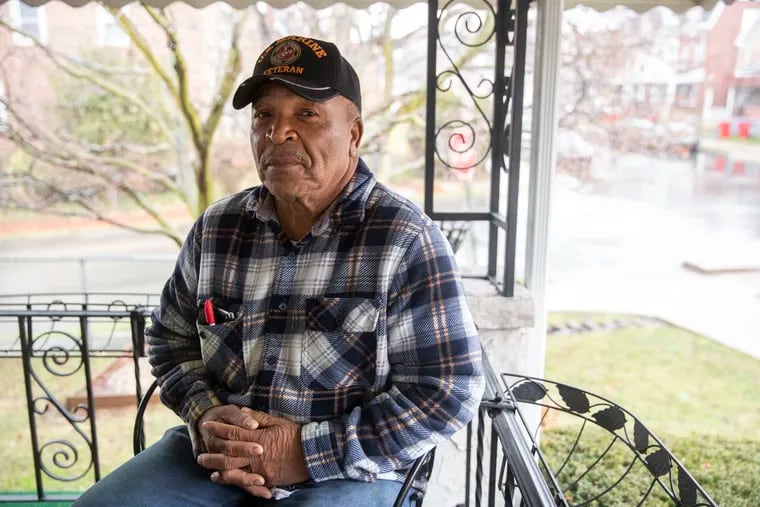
(114, 432)
(676, 381)
(697, 396)
(726, 468)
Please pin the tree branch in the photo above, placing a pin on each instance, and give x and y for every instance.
(181, 92)
(232, 70)
(80, 71)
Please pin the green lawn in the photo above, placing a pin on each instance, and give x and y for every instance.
(699, 397)
(114, 432)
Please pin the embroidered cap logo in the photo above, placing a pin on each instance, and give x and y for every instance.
(286, 53)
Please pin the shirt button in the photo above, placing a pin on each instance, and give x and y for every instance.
(283, 307)
(271, 360)
(292, 255)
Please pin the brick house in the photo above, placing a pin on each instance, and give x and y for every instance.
(732, 63)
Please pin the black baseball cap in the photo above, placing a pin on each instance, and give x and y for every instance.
(311, 68)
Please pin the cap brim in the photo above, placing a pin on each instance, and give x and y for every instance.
(246, 92)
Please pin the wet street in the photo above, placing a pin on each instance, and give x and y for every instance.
(672, 239)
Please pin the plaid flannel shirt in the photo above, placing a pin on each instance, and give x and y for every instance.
(360, 331)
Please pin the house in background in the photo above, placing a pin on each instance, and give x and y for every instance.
(706, 74)
(732, 70)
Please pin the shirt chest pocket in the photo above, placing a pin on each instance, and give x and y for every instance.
(340, 343)
(221, 348)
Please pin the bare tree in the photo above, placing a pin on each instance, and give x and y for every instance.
(66, 173)
(606, 74)
(154, 136)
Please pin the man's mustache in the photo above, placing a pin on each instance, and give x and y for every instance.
(277, 153)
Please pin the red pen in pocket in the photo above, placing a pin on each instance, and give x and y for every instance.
(208, 312)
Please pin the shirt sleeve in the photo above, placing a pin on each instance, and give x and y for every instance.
(174, 345)
(435, 374)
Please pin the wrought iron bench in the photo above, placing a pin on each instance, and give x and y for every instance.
(606, 440)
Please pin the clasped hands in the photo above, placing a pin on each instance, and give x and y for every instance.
(251, 449)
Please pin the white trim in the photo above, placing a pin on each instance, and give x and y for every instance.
(542, 163)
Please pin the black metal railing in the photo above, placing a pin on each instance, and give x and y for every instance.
(608, 450)
(475, 83)
(58, 338)
(500, 454)
(603, 449)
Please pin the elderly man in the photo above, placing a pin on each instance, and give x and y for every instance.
(314, 335)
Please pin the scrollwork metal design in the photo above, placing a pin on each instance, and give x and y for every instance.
(623, 428)
(41, 405)
(60, 354)
(56, 358)
(59, 456)
(460, 142)
(457, 146)
(55, 342)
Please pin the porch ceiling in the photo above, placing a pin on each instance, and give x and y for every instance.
(601, 5)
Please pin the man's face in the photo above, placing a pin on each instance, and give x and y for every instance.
(304, 151)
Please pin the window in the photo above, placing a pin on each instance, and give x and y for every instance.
(686, 95)
(30, 20)
(110, 33)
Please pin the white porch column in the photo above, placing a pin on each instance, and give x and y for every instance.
(542, 162)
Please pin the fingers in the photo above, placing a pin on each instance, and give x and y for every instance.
(253, 483)
(223, 431)
(262, 418)
(233, 455)
(238, 448)
(260, 491)
(230, 414)
(217, 461)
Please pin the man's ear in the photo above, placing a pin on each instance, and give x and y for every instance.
(356, 132)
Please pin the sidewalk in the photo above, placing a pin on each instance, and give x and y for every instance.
(35, 225)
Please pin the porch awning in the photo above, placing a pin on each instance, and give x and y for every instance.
(600, 5)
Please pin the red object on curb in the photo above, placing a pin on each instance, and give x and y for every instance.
(744, 129)
(724, 129)
(739, 167)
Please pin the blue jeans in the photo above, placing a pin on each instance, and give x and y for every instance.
(166, 475)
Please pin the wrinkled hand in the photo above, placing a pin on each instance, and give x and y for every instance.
(230, 414)
(252, 450)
